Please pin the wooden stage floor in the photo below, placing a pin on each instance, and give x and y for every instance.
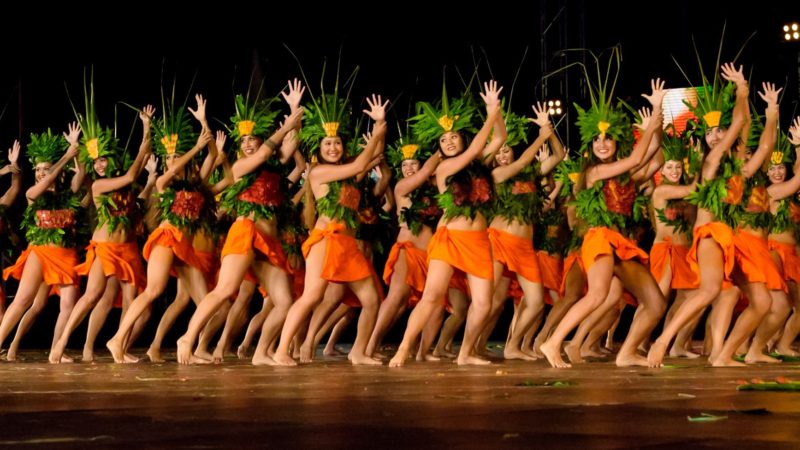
(334, 405)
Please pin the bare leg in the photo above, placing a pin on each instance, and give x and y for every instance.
(760, 302)
(599, 278)
(572, 293)
(337, 330)
(209, 332)
(29, 284)
(96, 287)
(39, 303)
(280, 291)
(429, 335)
(792, 328)
(436, 286)
(367, 294)
(778, 312)
(235, 320)
(534, 303)
(591, 345)
(459, 304)
(652, 306)
(157, 276)
(231, 274)
(719, 320)
(709, 256)
(171, 314)
(254, 327)
(682, 347)
(312, 294)
(319, 318)
(612, 300)
(97, 319)
(395, 301)
(69, 294)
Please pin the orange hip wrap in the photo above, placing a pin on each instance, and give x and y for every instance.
(169, 236)
(723, 236)
(550, 267)
(676, 255)
(416, 267)
(343, 261)
(467, 251)
(605, 241)
(118, 260)
(243, 237)
(516, 254)
(753, 258)
(790, 261)
(58, 264)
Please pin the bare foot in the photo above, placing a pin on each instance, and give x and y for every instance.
(195, 360)
(631, 360)
(204, 354)
(786, 351)
(655, 357)
(306, 353)
(726, 362)
(363, 360)
(553, 355)
(66, 359)
(573, 353)
(443, 353)
(263, 360)
(155, 355)
(515, 353)
(130, 359)
(399, 358)
(88, 355)
(242, 352)
(115, 347)
(283, 359)
(472, 360)
(427, 357)
(680, 352)
(484, 352)
(758, 357)
(218, 356)
(333, 351)
(379, 355)
(184, 353)
(537, 346)
(588, 352)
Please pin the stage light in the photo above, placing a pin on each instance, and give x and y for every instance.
(554, 107)
(791, 32)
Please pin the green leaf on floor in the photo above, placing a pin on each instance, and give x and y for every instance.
(706, 417)
(770, 386)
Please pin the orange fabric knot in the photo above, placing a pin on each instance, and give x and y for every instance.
(188, 204)
(758, 201)
(619, 197)
(265, 190)
(523, 187)
(55, 218)
(735, 187)
(349, 196)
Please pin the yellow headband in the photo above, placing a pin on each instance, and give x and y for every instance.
(92, 148)
(246, 127)
(170, 143)
(331, 128)
(603, 127)
(409, 150)
(712, 118)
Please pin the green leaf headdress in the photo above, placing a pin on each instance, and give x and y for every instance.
(715, 99)
(602, 117)
(254, 116)
(676, 147)
(328, 115)
(517, 128)
(784, 152)
(96, 141)
(432, 121)
(173, 131)
(568, 173)
(407, 147)
(46, 147)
